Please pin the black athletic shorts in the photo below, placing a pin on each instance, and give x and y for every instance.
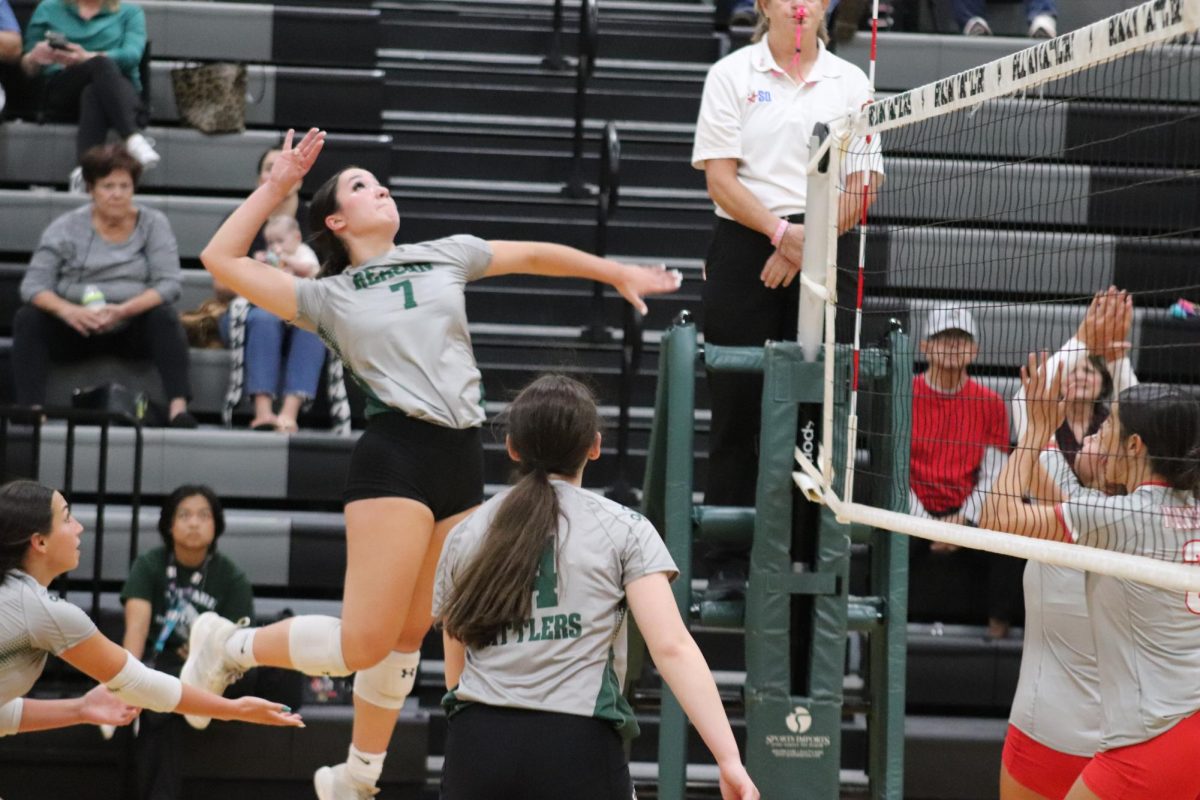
(399, 456)
(511, 754)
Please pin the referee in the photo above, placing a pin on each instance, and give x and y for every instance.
(759, 107)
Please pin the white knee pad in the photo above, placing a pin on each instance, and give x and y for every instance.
(389, 682)
(315, 645)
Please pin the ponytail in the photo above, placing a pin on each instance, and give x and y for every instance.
(551, 426)
(495, 590)
(329, 248)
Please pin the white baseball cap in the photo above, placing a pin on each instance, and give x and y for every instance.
(948, 318)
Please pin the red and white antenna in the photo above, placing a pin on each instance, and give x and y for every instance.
(862, 260)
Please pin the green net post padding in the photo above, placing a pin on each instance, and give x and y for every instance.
(793, 733)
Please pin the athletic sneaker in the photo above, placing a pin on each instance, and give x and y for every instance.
(143, 150)
(977, 26)
(207, 667)
(1043, 26)
(332, 783)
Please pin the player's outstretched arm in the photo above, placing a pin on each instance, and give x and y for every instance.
(225, 256)
(97, 707)
(683, 667)
(105, 661)
(556, 260)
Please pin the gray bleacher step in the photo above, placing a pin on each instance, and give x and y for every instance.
(282, 96)
(45, 154)
(611, 95)
(259, 541)
(510, 160)
(262, 32)
(684, 12)
(531, 125)
(455, 62)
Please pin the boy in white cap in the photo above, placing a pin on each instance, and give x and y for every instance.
(959, 443)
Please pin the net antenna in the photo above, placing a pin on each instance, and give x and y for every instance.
(1012, 182)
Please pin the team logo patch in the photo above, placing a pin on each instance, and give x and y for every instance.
(758, 96)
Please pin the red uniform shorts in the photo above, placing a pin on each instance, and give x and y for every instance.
(1041, 769)
(1163, 768)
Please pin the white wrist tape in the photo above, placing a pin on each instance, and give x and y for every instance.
(140, 686)
(10, 717)
(315, 645)
(389, 682)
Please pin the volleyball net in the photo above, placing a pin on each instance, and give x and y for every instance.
(1015, 195)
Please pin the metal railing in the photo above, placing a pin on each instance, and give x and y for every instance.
(13, 423)
(589, 42)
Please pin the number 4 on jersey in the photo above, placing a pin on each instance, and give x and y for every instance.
(545, 585)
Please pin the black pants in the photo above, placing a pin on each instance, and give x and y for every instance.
(39, 337)
(100, 96)
(510, 754)
(740, 311)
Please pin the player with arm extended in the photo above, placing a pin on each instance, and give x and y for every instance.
(39, 540)
(396, 317)
(1054, 725)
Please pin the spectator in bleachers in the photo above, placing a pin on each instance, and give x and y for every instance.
(10, 48)
(102, 281)
(168, 587)
(1041, 14)
(87, 54)
(758, 179)
(278, 358)
(959, 441)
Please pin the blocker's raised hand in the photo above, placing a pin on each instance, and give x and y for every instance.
(1044, 406)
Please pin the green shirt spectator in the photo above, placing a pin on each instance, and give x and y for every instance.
(118, 31)
(222, 587)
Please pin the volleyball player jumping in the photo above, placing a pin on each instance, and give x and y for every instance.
(397, 318)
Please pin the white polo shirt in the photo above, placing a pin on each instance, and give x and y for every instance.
(754, 112)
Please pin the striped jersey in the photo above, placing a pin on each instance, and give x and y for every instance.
(1057, 702)
(569, 657)
(1147, 638)
(33, 624)
(399, 324)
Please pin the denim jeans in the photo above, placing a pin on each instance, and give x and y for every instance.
(280, 358)
(965, 9)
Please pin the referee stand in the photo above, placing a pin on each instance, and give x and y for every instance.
(798, 610)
